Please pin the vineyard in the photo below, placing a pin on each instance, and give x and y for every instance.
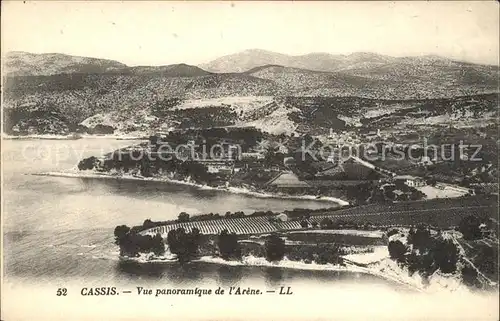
(438, 213)
(247, 225)
(437, 217)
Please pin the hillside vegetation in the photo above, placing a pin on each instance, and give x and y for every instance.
(55, 93)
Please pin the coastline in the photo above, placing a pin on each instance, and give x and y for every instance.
(71, 137)
(234, 190)
(384, 268)
(251, 261)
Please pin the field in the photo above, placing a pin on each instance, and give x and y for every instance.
(316, 237)
(247, 225)
(440, 213)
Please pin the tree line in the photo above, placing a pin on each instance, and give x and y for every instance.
(186, 245)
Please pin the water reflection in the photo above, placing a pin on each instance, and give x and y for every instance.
(137, 270)
(274, 276)
(174, 272)
(185, 274)
(229, 275)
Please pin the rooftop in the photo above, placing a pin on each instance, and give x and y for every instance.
(407, 177)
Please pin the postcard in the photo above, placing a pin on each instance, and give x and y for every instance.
(240, 160)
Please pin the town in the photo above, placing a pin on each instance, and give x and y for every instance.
(335, 165)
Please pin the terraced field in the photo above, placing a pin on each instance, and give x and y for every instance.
(289, 225)
(438, 217)
(441, 213)
(247, 225)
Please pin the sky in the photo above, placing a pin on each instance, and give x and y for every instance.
(160, 33)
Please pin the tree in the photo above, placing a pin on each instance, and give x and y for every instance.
(445, 255)
(469, 227)
(469, 276)
(228, 245)
(121, 232)
(304, 224)
(397, 250)
(421, 238)
(88, 163)
(183, 217)
(314, 224)
(184, 245)
(275, 248)
(431, 181)
(327, 254)
(158, 247)
(486, 259)
(154, 140)
(392, 232)
(148, 224)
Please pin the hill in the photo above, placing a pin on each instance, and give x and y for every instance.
(73, 89)
(248, 59)
(177, 70)
(402, 79)
(356, 62)
(363, 74)
(168, 107)
(19, 63)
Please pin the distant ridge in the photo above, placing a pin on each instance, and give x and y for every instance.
(252, 58)
(57, 93)
(177, 70)
(29, 77)
(19, 63)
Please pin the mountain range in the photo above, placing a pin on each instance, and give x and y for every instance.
(264, 72)
(76, 88)
(248, 59)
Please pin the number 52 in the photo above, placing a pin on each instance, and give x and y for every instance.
(62, 291)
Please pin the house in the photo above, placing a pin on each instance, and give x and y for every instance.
(234, 151)
(398, 193)
(333, 158)
(425, 160)
(485, 231)
(283, 149)
(329, 171)
(218, 166)
(251, 155)
(287, 180)
(289, 162)
(412, 181)
(373, 135)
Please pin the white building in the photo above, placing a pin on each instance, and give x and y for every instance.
(412, 181)
(252, 155)
(216, 166)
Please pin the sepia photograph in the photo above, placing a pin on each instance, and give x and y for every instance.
(240, 160)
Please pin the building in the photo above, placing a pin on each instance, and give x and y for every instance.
(329, 171)
(412, 181)
(217, 166)
(398, 193)
(373, 135)
(337, 184)
(289, 162)
(425, 160)
(252, 155)
(287, 180)
(283, 149)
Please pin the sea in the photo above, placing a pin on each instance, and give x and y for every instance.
(58, 239)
